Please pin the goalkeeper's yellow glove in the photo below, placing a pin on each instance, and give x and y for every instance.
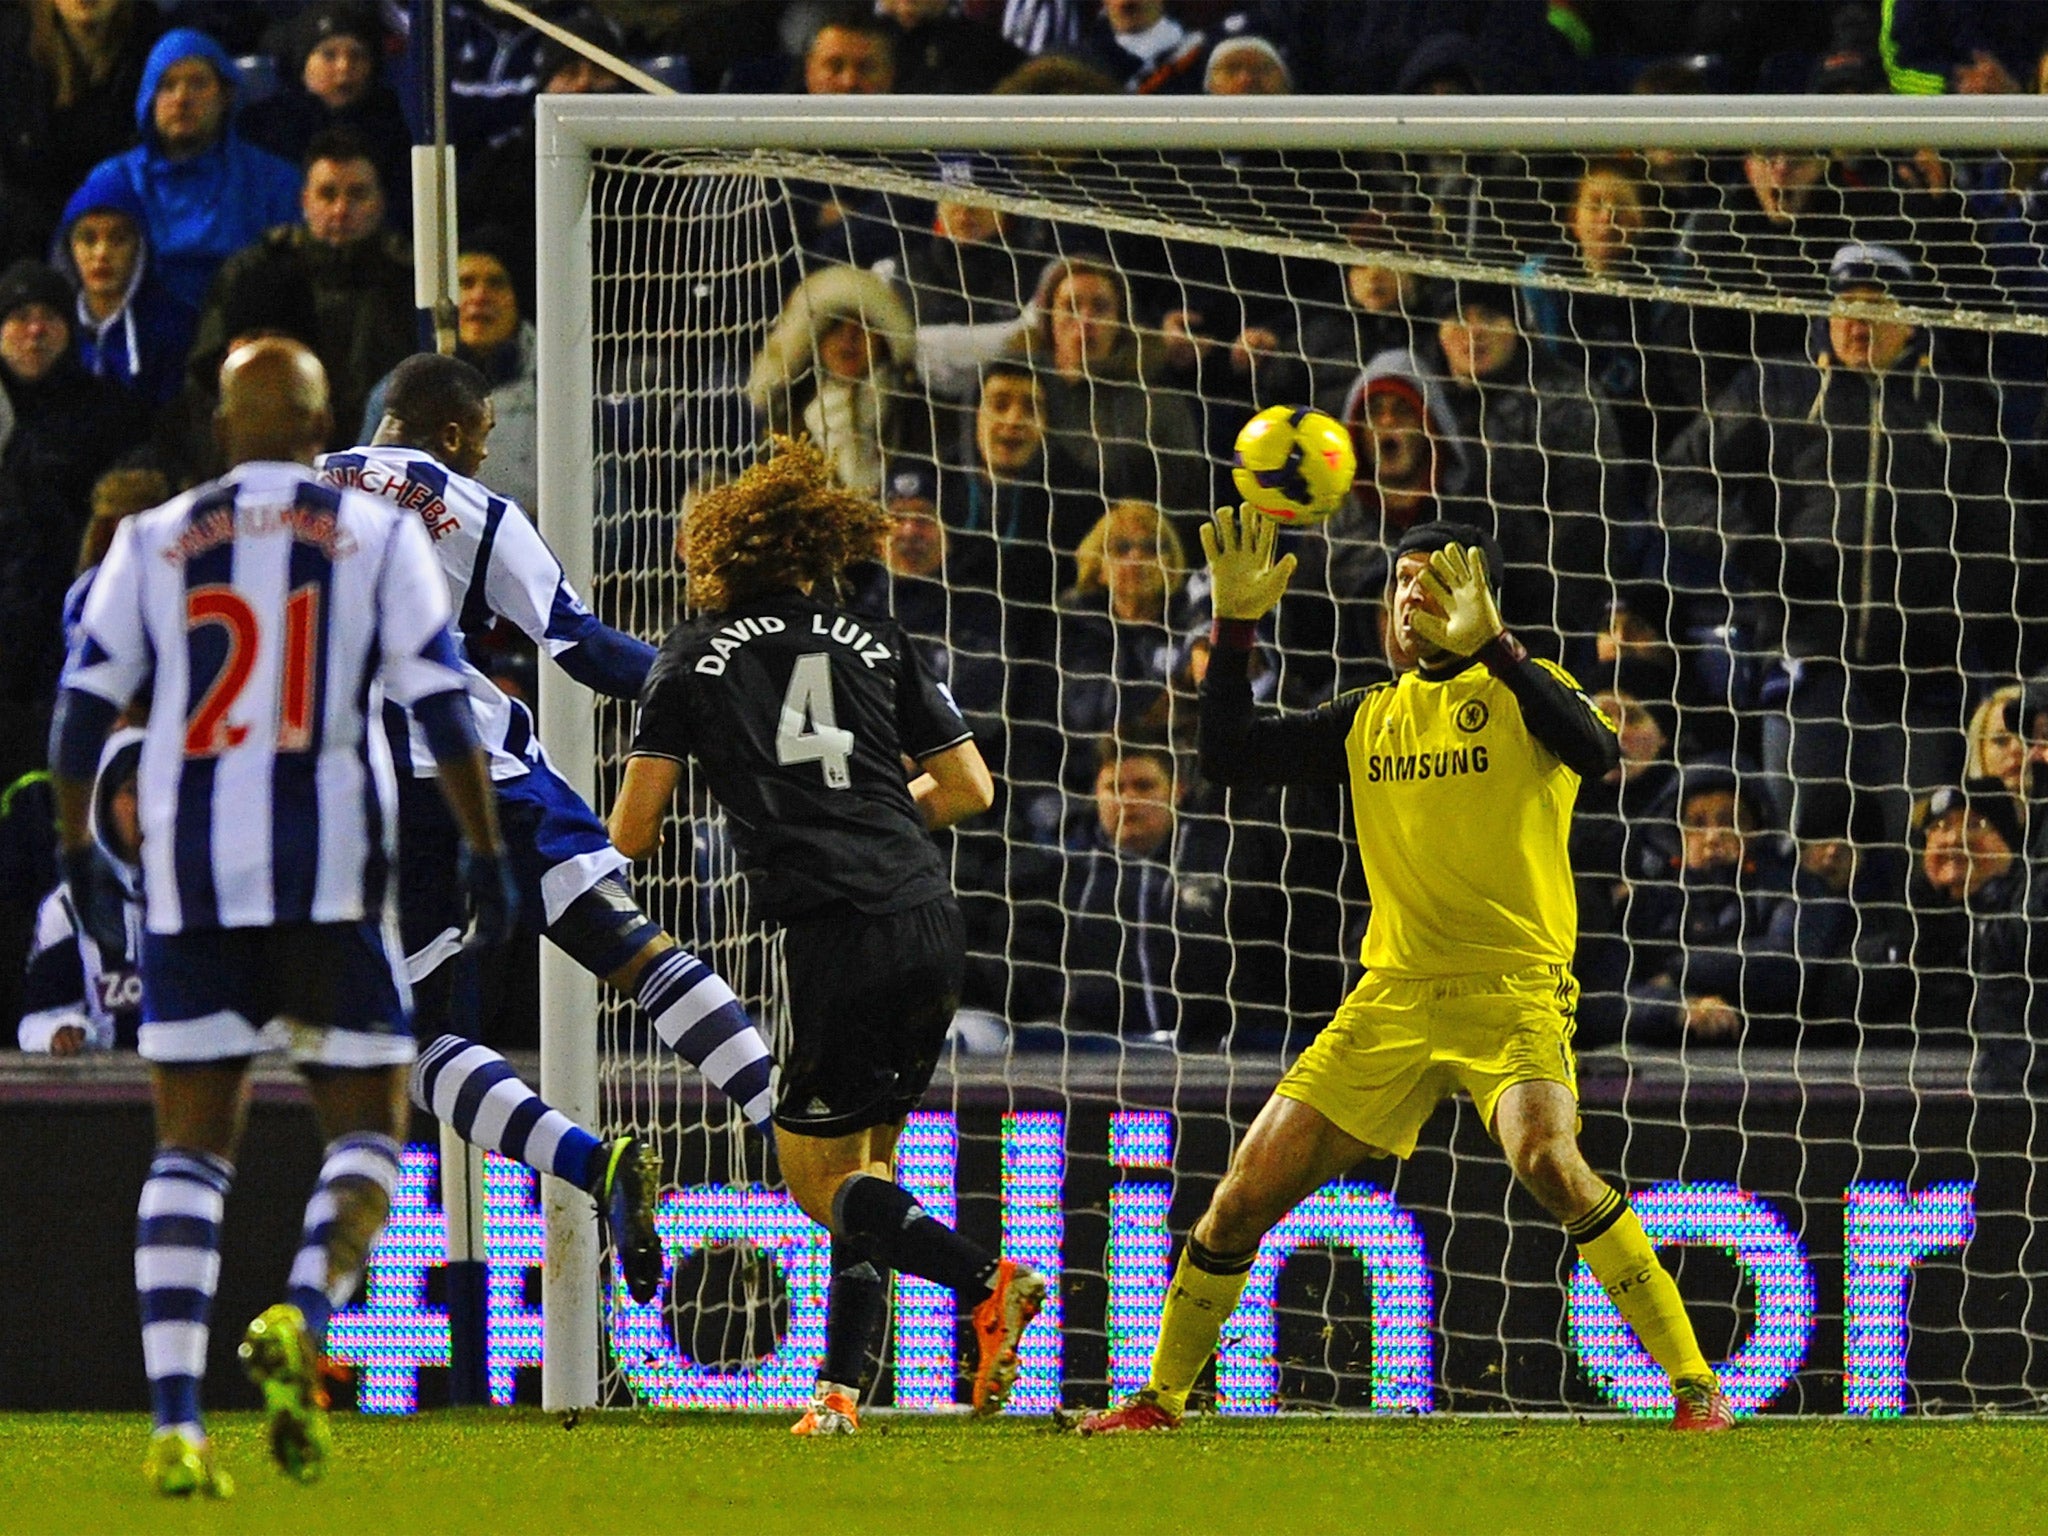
(1244, 579)
(1456, 579)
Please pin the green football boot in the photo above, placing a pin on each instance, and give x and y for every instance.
(179, 1468)
(279, 1356)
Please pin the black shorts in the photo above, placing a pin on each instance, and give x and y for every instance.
(871, 996)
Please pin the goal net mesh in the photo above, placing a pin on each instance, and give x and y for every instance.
(1754, 434)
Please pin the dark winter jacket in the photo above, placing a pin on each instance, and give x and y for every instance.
(2009, 959)
(1633, 353)
(1182, 947)
(1724, 931)
(1877, 511)
(69, 428)
(362, 305)
(1544, 463)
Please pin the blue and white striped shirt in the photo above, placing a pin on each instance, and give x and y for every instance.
(260, 612)
(497, 566)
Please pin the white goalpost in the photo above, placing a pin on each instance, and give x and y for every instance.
(1851, 1196)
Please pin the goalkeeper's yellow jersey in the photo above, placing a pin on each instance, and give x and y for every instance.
(1462, 819)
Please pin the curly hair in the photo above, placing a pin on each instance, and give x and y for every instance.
(784, 523)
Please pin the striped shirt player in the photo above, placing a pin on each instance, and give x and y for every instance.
(496, 567)
(1462, 776)
(258, 611)
(76, 996)
(259, 617)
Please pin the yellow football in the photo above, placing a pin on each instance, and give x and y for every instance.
(1294, 463)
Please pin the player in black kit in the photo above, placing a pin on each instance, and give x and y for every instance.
(802, 717)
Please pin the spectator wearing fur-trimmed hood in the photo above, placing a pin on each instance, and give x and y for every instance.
(129, 328)
(838, 365)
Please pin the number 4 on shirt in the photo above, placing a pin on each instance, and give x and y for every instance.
(809, 730)
(208, 731)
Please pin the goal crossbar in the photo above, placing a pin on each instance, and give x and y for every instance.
(572, 126)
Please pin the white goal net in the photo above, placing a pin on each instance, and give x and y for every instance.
(1747, 393)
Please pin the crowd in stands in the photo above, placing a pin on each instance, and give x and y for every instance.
(1799, 559)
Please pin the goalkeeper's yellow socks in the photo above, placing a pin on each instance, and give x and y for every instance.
(1612, 1242)
(1204, 1292)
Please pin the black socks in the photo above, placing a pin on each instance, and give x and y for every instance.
(897, 1233)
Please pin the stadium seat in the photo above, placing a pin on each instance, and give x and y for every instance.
(256, 79)
(671, 69)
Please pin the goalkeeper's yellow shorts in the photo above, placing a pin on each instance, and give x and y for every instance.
(1399, 1047)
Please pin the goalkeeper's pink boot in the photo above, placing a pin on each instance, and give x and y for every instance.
(1139, 1412)
(1701, 1405)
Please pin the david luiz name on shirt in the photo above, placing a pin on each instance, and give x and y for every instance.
(842, 629)
(1402, 767)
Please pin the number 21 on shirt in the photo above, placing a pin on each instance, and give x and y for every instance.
(808, 731)
(208, 731)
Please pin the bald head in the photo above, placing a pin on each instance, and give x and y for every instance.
(273, 403)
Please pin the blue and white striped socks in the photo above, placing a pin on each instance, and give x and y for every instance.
(697, 1016)
(314, 1288)
(474, 1089)
(177, 1269)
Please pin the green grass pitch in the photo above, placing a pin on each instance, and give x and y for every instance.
(501, 1473)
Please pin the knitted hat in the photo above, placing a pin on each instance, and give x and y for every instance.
(911, 479)
(314, 24)
(30, 282)
(1428, 538)
(1979, 797)
(1864, 264)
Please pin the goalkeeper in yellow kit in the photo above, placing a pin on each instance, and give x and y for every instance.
(1463, 774)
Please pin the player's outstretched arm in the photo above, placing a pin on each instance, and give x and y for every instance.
(642, 806)
(603, 659)
(955, 785)
(1559, 716)
(525, 586)
(1238, 745)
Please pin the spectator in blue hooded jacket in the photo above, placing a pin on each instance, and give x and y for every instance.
(205, 194)
(128, 328)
